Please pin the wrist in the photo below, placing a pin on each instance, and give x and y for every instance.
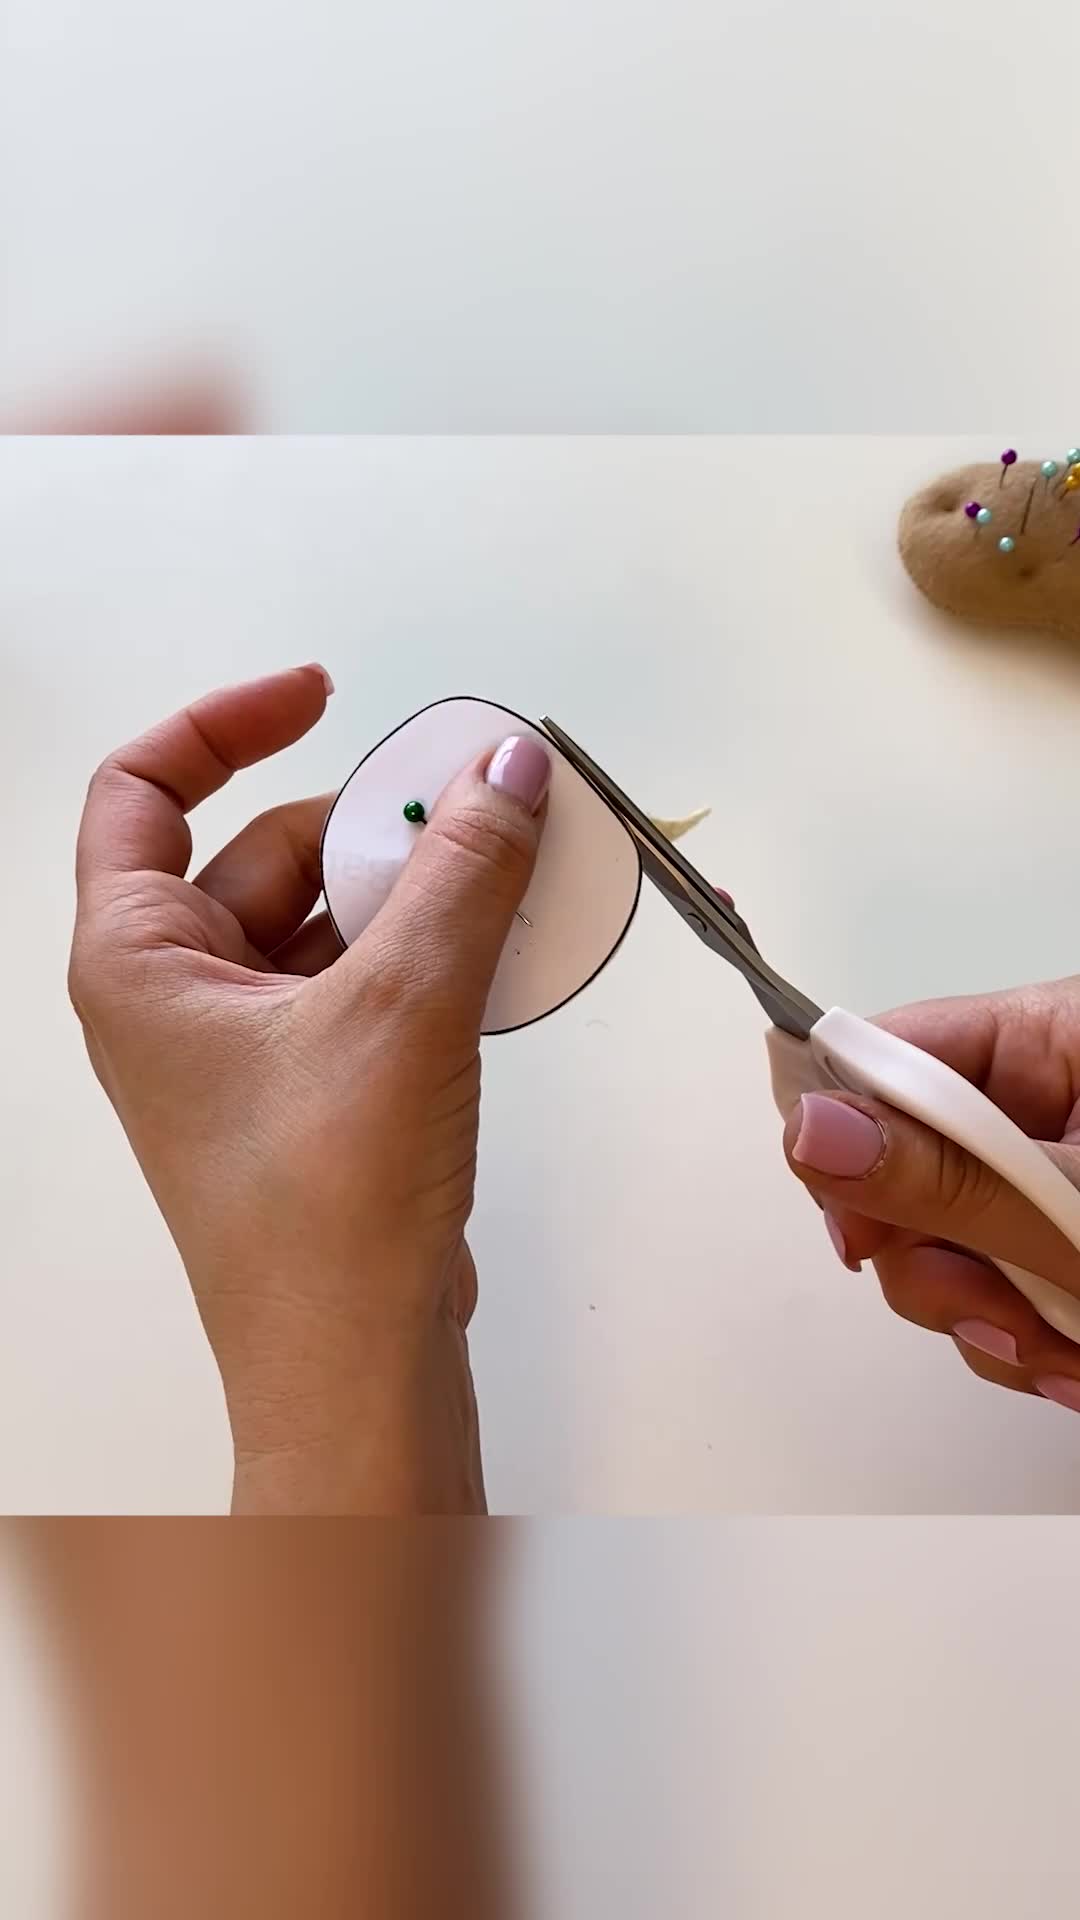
(391, 1429)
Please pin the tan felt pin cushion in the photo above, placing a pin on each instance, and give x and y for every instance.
(958, 566)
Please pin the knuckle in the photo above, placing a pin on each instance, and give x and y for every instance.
(107, 772)
(109, 786)
(897, 1295)
(991, 1372)
(488, 843)
(280, 827)
(966, 1185)
(85, 974)
(78, 986)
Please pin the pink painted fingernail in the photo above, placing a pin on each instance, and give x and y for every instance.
(836, 1139)
(725, 897)
(1060, 1388)
(836, 1235)
(522, 769)
(316, 666)
(989, 1339)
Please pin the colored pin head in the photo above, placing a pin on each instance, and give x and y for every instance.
(1072, 458)
(983, 517)
(972, 509)
(1072, 480)
(1008, 459)
(1048, 469)
(1006, 543)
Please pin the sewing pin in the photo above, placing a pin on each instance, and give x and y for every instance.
(1027, 509)
(416, 815)
(1008, 459)
(1065, 467)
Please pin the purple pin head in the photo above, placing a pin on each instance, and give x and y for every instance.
(1008, 458)
(972, 509)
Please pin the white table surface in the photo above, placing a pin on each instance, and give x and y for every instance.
(550, 215)
(662, 1324)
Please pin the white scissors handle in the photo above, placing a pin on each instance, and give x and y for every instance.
(844, 1051)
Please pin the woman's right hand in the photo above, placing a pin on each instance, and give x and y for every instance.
(895, 1192)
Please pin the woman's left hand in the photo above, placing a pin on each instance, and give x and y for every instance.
(306, 1118)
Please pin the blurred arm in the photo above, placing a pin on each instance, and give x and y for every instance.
(287, 1718)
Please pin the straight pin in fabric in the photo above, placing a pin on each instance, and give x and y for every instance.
(1008, 459)
(524, 922)
(1027, 509)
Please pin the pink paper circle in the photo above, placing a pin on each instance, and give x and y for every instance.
(585, 888)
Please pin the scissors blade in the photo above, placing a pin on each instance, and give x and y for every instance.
(694, 900)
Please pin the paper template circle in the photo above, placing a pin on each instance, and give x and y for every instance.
(585, 887)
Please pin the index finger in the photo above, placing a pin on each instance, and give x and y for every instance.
(134, 813)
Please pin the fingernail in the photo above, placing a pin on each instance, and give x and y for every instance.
(521, 768)
(989, 1339)
(835, 1233)
(1059, 1387)
(836, 1139)
(725, 897)
(315, 666)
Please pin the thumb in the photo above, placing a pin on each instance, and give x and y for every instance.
(442, 931)
(867, 1157)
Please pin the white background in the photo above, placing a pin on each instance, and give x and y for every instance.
(757, 1718)
(662, 1323)
(521, 215)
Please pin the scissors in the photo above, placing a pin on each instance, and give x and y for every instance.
(812, 1050)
